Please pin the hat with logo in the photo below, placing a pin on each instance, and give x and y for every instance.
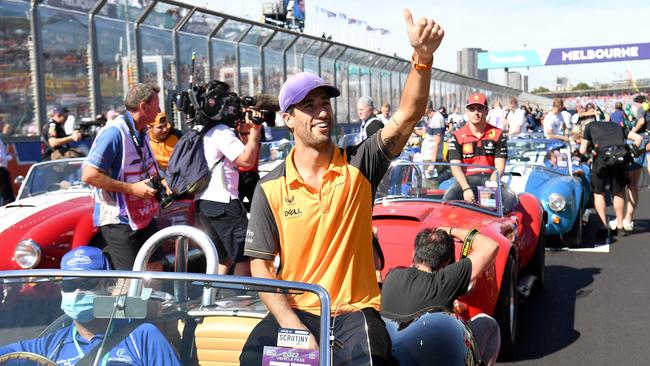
(84, 258)
(160, 118)
(299, 85)
(59, 109)
(477, 98)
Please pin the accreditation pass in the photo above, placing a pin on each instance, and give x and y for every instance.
(293, 338)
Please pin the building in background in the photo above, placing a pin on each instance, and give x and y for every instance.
(513, 80)
(467, 63)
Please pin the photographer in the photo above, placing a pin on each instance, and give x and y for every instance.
(220, 211)
(609, 167)
(125, 197)
(55, 140)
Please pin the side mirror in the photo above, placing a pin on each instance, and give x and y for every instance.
(19, 180)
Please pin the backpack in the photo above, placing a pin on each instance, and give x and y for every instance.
(188, 171)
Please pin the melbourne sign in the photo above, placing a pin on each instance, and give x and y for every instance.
(563, 56)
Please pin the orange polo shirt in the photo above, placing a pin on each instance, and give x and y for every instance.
(322, 236)
(163, 150)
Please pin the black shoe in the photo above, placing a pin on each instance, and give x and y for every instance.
(602, 233)
(622, 231)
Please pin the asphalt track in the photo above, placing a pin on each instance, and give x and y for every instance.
(593, 310)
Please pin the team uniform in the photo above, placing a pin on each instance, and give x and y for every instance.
(288, 216)
(163, 150)
(145, 345)
(469, 149)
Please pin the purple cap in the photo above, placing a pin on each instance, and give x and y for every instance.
(299, 85)
(84, 258)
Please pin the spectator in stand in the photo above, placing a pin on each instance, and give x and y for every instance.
(618, 116)
(385, 113)
(496, 116)
(6, 190)
(162, 138)
(515, 119)
(369, 122)
(554, 125)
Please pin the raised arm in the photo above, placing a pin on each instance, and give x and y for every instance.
(424, 36)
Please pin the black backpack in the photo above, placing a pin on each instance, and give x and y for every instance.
(188, 171)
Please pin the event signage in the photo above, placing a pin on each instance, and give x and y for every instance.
(563, 56)
(282, 356)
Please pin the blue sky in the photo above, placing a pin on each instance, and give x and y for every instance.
(495, 25)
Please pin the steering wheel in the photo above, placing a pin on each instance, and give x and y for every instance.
(53, 187)
(41, 360)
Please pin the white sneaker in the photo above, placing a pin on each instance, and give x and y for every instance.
(628, 225)
(612, 224)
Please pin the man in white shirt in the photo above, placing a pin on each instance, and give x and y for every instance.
(554, 124)
(6, 190)
(496, 117)
(456, 120)
(516, 118)
(220, 211)
(435, 133)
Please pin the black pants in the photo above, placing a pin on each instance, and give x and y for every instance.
(225, 224)
(6, 189)
(123, 243)
(351, 329)
(247, 183)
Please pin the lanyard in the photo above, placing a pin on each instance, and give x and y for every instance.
(80, 352)
(138, 146)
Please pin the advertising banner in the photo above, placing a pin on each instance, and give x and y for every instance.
(563, 56)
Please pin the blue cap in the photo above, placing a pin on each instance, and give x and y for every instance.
(59, 109)
(299, 85)
(84, 258)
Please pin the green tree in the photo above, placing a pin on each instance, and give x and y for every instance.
(582, 86)
(540, 89)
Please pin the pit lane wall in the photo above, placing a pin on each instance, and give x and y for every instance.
(77, 53)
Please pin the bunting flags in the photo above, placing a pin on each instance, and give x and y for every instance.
(343, 16)
(345, 32)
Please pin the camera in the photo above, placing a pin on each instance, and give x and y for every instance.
(214, 103)
(89, 127)
(161, 195)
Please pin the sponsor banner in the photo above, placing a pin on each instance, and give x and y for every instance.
(503, 59)
(581, 55)
(563, 56)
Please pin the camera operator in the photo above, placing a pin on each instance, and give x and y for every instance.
(123, 171)
(263, 112)
(54, 138)
(220, 211)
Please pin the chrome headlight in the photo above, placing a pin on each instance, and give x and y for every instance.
(27, 254)
(556, 202)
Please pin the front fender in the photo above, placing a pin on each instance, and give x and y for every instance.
(560, 222)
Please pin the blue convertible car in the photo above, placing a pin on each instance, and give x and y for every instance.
(547, 169)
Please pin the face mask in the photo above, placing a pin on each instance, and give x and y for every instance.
(78, 305)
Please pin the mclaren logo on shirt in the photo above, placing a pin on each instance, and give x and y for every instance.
(289, 200)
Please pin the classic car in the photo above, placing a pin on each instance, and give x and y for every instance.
(206, 318)
(53, 213)
(413, 196)
(547, 169)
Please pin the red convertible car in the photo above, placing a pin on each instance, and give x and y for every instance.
(415, 196)
(53, 214)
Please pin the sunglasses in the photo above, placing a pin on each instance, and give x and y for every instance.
(79, 284)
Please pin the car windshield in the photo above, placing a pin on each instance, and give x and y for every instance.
(275, 150)
(435, 182)
(194, 317)
(548, 153)
(60, 175)
(350, 139)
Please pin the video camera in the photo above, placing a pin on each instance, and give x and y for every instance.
(213, 103)
(89, 126)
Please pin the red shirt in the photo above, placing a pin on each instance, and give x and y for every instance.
(469, 149)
